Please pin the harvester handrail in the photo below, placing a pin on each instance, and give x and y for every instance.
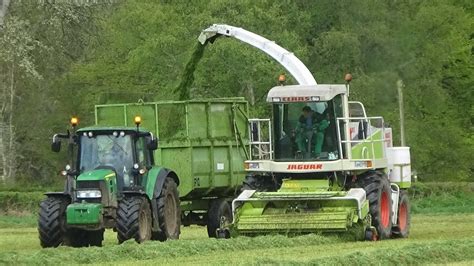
(366, 138)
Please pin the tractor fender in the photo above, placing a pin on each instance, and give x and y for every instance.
(160, 180)
(154, 190)
(63, 195)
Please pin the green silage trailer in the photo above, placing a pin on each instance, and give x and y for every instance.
(204, 141)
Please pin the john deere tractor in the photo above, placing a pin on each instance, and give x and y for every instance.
(111, 182)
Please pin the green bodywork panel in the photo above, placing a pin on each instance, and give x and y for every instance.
(292, 211)
(84, 213)
(364, 150)
(305, 185)
(106, 175)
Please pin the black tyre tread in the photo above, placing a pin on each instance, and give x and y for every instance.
(128, 213)
(373, 182)
(217, 209)
(169, 186)
(51, 221)
(396, 232)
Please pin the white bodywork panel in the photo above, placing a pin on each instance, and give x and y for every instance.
(323, 92)
(287, 59)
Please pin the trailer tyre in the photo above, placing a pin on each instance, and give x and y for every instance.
(52, 221)
(377, 188)
(402, 229)
(169, 212)
(219, 211)
(134, 219)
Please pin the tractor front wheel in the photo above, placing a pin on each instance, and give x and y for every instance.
(402, 229)
(169, 212)
(52, 221)
(377, 188)
(219, 212)
(134, 219)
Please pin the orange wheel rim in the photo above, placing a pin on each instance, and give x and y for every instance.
(402, 216)
(385, 209)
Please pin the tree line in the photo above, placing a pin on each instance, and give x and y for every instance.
(59, 58)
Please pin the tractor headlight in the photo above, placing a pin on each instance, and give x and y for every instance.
(88, 194)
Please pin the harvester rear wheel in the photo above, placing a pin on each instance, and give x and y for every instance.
(377, 188)
(169, 212)
(52, 221)
(134, 219)
(402, 229)
(219, 211)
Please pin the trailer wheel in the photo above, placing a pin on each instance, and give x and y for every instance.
(133, 219)
(52, 221)
(402, 229)
(219, 211)
(169, 212)
(377, 188)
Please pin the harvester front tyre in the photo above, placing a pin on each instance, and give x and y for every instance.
(219, 211)
(378, 191)
(134, 219)
(169, 212)
(52, 221)
(402, 229)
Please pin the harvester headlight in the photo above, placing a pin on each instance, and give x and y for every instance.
(122, 133)
(68, 167)
(90, 134)
(88, 194)
(315, 98)
(115, 134)
(276, 99)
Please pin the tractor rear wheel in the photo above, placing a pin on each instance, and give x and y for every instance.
(134, 219)
(169, 212)
(52, 221)
(379, 194)
(402, 229)
(219, 211)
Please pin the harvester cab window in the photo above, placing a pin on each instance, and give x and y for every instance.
(358, 123)
(304, 131)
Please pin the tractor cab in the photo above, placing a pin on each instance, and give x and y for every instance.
(119, 155)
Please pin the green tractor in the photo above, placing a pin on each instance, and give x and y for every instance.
(111, 182)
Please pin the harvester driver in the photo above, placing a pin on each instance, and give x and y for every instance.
(310, 132)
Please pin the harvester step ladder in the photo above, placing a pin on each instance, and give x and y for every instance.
(260, 142)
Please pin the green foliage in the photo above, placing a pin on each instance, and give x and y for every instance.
(89, 54)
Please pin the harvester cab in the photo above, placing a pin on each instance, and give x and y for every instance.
(320, 164)
(111, 182)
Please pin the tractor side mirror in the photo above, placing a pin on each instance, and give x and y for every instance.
(152, 144)
(56, 145)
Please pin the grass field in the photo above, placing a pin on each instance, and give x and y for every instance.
(442, 233)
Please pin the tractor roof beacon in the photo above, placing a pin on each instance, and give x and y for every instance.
(320, 164)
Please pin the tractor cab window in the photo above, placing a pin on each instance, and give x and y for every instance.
(143, 158)
(107, 151)
(305, 131)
